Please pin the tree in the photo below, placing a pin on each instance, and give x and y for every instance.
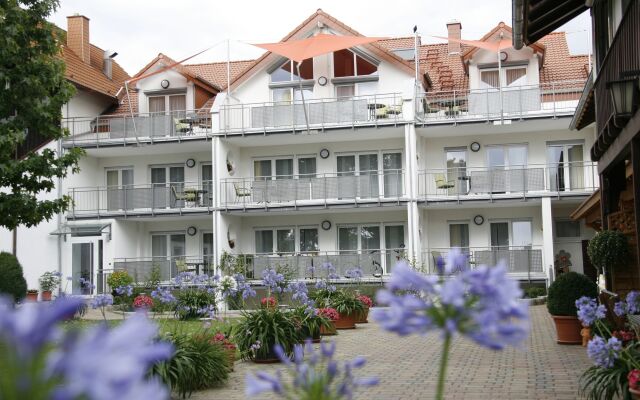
(33, 90)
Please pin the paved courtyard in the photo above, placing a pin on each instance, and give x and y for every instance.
(407, 367)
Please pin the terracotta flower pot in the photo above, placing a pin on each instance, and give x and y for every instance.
(32, 296)
(270, 358)
(362, 316)
(635, 394)
(346, 321)
(46, 295)
(567, 329)
(586, 335)
(328, 331)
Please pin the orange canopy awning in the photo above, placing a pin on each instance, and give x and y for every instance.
(491, 46)
(299, 50)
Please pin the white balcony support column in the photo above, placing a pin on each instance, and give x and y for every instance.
(547, 239)
(424, 239)
(411, 167)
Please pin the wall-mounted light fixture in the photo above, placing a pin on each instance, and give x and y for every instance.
(624, 95)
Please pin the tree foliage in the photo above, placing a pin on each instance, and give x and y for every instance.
(608, 249)
(12, 280)
(33, 90)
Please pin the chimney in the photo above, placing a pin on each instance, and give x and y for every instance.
(454, 31)
(107, 62)
(78, 36)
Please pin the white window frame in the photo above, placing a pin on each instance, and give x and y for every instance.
(502, 76)
(274, 245)
(119, 169)
(509, 222)
(567, 238)
(167, 102)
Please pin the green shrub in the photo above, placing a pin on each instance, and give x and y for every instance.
(566, 289)
(198, 363)
(608, 249)
(309, 323)
(534, 291)
(118, 279)
(267, 327)
(12, 280)
(191, 302)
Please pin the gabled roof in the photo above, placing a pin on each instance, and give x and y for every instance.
(216, 72)
(494, 34)
(90, 76)
(165, 61)
(322, 18)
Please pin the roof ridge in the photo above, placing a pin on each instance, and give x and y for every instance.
(221, 62)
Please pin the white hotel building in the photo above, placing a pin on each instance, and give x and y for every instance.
(470, 155)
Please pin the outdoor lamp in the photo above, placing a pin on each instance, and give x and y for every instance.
(624, 94)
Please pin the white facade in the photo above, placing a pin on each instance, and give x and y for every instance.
(361, 179)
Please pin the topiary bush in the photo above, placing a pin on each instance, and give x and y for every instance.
(566, 289)
(608, 249)
(119, 279)
(12, 280)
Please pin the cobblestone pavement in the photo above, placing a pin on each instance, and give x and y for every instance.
(407, 367)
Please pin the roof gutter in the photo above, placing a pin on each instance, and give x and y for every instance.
(518, 23)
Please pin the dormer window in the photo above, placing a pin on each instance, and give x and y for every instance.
(285, 82)
(347, 64)
(288, 71)
(510, 77)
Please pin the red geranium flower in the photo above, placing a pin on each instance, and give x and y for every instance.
(268, 302)
(142, 302)
(634, 379)
(366, 300)
(330, 313)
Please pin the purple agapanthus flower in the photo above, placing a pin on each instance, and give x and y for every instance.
(101, 300)
(456, 261)
(620, 308)
(273, 280)
(124, 290)
(118, 365)
(604, 353)
(163, 295)
(481, 304)
(308, 373)
(630, 306)
(355, 273)
(244, 287)
(97, 363)
(589, 311)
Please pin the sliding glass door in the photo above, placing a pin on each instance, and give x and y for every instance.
(392, 172)
(166, 182)
(168, 252)
(120, 195)
(566, 167)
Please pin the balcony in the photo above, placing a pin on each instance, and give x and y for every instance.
(122, 129)
(523, 262)
(374, 263)
(146, 199)
(327, 113)
(521, 102)
(140, 268)
(368, 188)
(482, 183)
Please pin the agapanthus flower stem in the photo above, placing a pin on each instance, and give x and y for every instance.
(444, 359)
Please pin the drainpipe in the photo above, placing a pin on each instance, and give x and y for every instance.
(59, 215)
(518, 24)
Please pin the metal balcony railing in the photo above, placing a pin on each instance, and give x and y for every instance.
(364, 186)
(470, 183)
(166, 267)
(522, 260)
(308, 265)
(518, 102)
(141, 127)
(146, 198)
(378, 109)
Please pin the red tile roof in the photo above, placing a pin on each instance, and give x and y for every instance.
(447, 72)
(90, 76)
(216, 72)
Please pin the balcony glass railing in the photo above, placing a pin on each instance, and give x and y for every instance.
(518, 102)
(145, 127)
(309, 265)
(147, 198)
(514, 181)
(379, 109)
(364, 186)
(524, 260)
(164, 267)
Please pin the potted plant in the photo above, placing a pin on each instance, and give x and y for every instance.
(142, 302)
(331, 315)
(228, 346)
(120, 278)
(312, 322)
(367, 303)
(32, 295)
(258, 331)
(49, 281)
(348, 307)
(607, 250)
(561, 303)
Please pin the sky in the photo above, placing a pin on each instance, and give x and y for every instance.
(140, 29)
